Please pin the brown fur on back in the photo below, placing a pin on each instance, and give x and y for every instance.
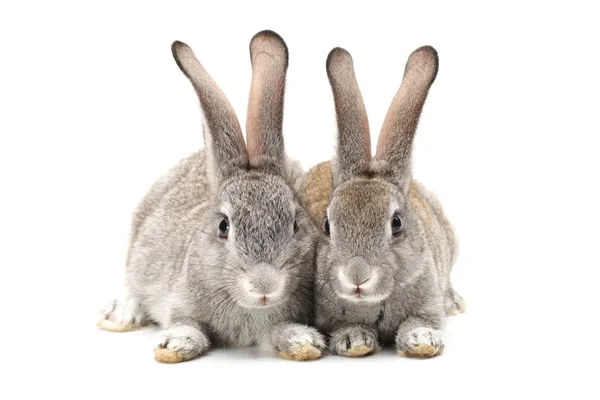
(316, 191)
(439, 231)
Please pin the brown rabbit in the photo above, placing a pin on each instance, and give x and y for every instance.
(387, 249)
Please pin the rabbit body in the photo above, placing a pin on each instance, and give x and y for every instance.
(176, 269)
(221, 250)
(385, 257)
(440, 254)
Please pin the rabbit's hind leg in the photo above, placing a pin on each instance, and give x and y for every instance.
(454, 303)
(124, 314)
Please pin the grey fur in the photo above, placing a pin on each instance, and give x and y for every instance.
(394, 146)
(353, 154)
(205, 289)
(269, 56)
(403, 280)
(353, 336)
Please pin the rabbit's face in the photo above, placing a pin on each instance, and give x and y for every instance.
(266, 237)
(373, 240)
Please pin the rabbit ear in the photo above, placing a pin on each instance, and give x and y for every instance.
(226, 149)
(269, 57)
(395, 140)
(353, 151)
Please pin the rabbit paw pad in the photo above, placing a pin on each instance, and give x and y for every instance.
(353, 341)
(300, 343)
(181, 343)
(421, 343)
(122, 316)
(305, 352)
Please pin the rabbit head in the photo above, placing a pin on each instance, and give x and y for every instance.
(255, 235)
(373, 238)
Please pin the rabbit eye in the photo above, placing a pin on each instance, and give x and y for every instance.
(224, 228)
(396, 225)
(327, 232)
(296, 227)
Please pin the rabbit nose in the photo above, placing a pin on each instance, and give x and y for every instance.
(262, 290)
(358, 281)
(356, 272)
(264, 283)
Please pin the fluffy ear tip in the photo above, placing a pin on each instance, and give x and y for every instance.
(269, 42)
(426, 54)
(427, 49)
(267, 33)
(426, 57)
(178, 46)
(338, 57)
(338, 53)
(180, 49)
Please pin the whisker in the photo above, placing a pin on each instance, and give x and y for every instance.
(227, 296)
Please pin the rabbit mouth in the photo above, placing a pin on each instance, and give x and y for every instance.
(358, 296)
(263, 288)
(359, 286)
(260, 302)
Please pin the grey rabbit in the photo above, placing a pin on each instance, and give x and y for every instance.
(387, 249)
(221, 250)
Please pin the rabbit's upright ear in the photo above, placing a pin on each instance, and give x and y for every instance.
(395, 140)
(226, 149)
(353, 150)
(269, 57)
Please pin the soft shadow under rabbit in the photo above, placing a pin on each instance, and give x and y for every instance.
(221, 251)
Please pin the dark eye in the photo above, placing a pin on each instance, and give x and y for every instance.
(396, 225)
(327, 232)
(296, 227)
(224, 228)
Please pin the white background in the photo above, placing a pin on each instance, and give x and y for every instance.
(93, 109)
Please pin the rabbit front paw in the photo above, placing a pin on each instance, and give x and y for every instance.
(181, 343)
(420, 342)
(354, 341)
(297, 342)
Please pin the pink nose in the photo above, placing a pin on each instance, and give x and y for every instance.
(357, 271)
(358, 281)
